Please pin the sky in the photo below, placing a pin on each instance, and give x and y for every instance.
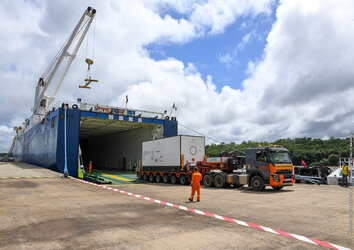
(237, 70)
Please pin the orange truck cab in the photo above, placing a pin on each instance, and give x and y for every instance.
(269, 166)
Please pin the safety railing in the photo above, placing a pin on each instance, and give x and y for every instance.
(111, 109)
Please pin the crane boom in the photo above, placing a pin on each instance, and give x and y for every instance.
(42, 99)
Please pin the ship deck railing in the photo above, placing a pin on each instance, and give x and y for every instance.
(111, 109)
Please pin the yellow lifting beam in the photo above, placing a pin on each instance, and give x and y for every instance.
(88, 80)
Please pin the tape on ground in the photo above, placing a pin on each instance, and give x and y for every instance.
(242, 223)
(27, 177)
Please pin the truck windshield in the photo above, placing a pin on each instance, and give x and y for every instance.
(280, 157)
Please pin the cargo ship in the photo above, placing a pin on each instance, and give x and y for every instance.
(64, 136)
(109, 137)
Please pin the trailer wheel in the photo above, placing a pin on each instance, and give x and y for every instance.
(278, 187)
(183, 180)
(257, 183)
(207, 180)
(151, 177)
(174, 179)
(218, 181)
(145, 177)
(158, 178)
(165, 179)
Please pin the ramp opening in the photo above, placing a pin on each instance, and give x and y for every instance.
(115, 145)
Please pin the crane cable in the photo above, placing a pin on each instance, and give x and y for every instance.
(49, 69)
(88, 60)
(87, 42)
(94, 39)
(239, 151)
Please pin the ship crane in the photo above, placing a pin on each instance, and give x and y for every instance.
(64, 58)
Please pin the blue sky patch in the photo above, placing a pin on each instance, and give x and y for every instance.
(223, 56)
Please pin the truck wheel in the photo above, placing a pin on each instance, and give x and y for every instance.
(174, 179)
(151, 177)
(158, 178)
(257, 183)
(207, 180)
(218, 181)
(165, 179)
(140, 176)
(278, 187)
(145, 177)
(183, 180)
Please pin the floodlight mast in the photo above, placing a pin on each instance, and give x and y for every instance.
(42, 99)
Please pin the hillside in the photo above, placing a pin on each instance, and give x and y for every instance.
(315, 152)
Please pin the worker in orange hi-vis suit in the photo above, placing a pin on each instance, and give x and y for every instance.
(195, 183)
(90, 167)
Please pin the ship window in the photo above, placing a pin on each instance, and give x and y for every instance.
(53, 121)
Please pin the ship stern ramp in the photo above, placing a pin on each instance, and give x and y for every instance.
(114, 142)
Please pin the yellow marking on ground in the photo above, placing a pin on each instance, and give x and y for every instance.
(116, 177)
(120, 185)
(27, 177)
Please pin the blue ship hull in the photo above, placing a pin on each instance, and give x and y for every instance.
(43, 144)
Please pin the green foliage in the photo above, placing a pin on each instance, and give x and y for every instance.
(315, 152)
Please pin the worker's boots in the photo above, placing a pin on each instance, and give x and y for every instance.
(192, 200)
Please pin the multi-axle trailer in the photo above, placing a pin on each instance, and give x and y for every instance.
(172, 159)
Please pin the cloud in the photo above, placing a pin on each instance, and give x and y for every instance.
(232, 58)
(302, 86)
(5, 129)
(6, 135)
(245, 40)
(306, 77)
(226, 58)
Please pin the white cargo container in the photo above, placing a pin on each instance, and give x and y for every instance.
(172, 153)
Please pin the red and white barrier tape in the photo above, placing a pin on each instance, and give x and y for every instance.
(239, 222)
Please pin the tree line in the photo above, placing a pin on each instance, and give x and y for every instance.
(315, 152)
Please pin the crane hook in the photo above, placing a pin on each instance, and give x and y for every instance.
(88, 79)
